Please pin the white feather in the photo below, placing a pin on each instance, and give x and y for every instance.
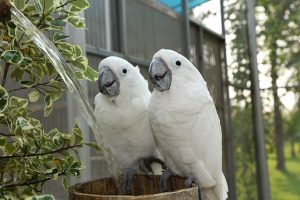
(125, 118)
(186, 126)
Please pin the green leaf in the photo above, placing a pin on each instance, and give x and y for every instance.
(27, 84)
(55, 176)
(93, 145)
(11, 29)
(20, 4)
(81, 62)
(36, 123)
(18, 131)
(34, 96)
(18, 102)
(48, 105)
(10, 148)
(28, 192)
(21, 37)
(79, 75)
(74, 9)
(12, 56)
(37, 7)
(76, 21)
(17, 74)
(59, 37)
(77, 51)
(3, 141)
(53, 132)
(58, 23)
(65, 47)
(24, 124)
(48, 4)
(91, 74)
(57, 90)
(1, 40)
(80, 4)
(78, 134)
(65, 183)
(3, 99)
(26, 61)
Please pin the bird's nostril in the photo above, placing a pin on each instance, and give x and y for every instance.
(159, 77)
(108, 84)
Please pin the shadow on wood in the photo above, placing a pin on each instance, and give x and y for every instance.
(143, 188)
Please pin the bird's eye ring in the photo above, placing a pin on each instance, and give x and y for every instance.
(178, 63)
(124, 71)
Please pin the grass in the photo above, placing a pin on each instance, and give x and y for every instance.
(285, 186)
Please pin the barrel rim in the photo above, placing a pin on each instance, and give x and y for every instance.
(72, 191)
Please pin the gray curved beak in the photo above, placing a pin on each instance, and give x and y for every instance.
(108, 82)
(160, 74)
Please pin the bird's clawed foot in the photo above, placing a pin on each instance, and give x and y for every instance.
(163, 182)
(128, 175)
(145, 164)
(190, 180)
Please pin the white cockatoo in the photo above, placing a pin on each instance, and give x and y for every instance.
(122, 109)
(185, 124)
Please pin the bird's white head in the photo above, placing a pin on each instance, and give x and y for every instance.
(117, 75)
(168, 66)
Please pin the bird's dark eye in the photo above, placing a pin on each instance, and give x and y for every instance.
(124, 71)
(178, 63)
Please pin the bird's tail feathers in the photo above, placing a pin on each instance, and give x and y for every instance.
(217, 192)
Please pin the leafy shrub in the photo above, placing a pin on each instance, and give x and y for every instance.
(30, 156)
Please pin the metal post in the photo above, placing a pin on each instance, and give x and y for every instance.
(108, 34)
(228, 125)
(260, 152)
(78, 37)
(201, 51)
(222, 17)
(186, 28)
(123, 27)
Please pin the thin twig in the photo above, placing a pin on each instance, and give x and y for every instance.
(30, 182)
(6, 134)
(5, 74)
(64, 4)
(268, 88)
(40, 92)
(33, 86)
(42, 153)
(35, 189)
(18, 42)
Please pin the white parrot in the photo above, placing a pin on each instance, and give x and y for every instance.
(186, 125)
(122, 109)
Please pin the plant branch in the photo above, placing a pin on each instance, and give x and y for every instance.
(33, 86)
(6, 134)
(35, 189)
(20, 38)
(283, 87)
(64, 4)
(40, 91)
(268, 88)
(31, 182)
(5, 74)
(42, 153)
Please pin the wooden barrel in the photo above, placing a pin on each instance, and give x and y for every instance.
(143, 188)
